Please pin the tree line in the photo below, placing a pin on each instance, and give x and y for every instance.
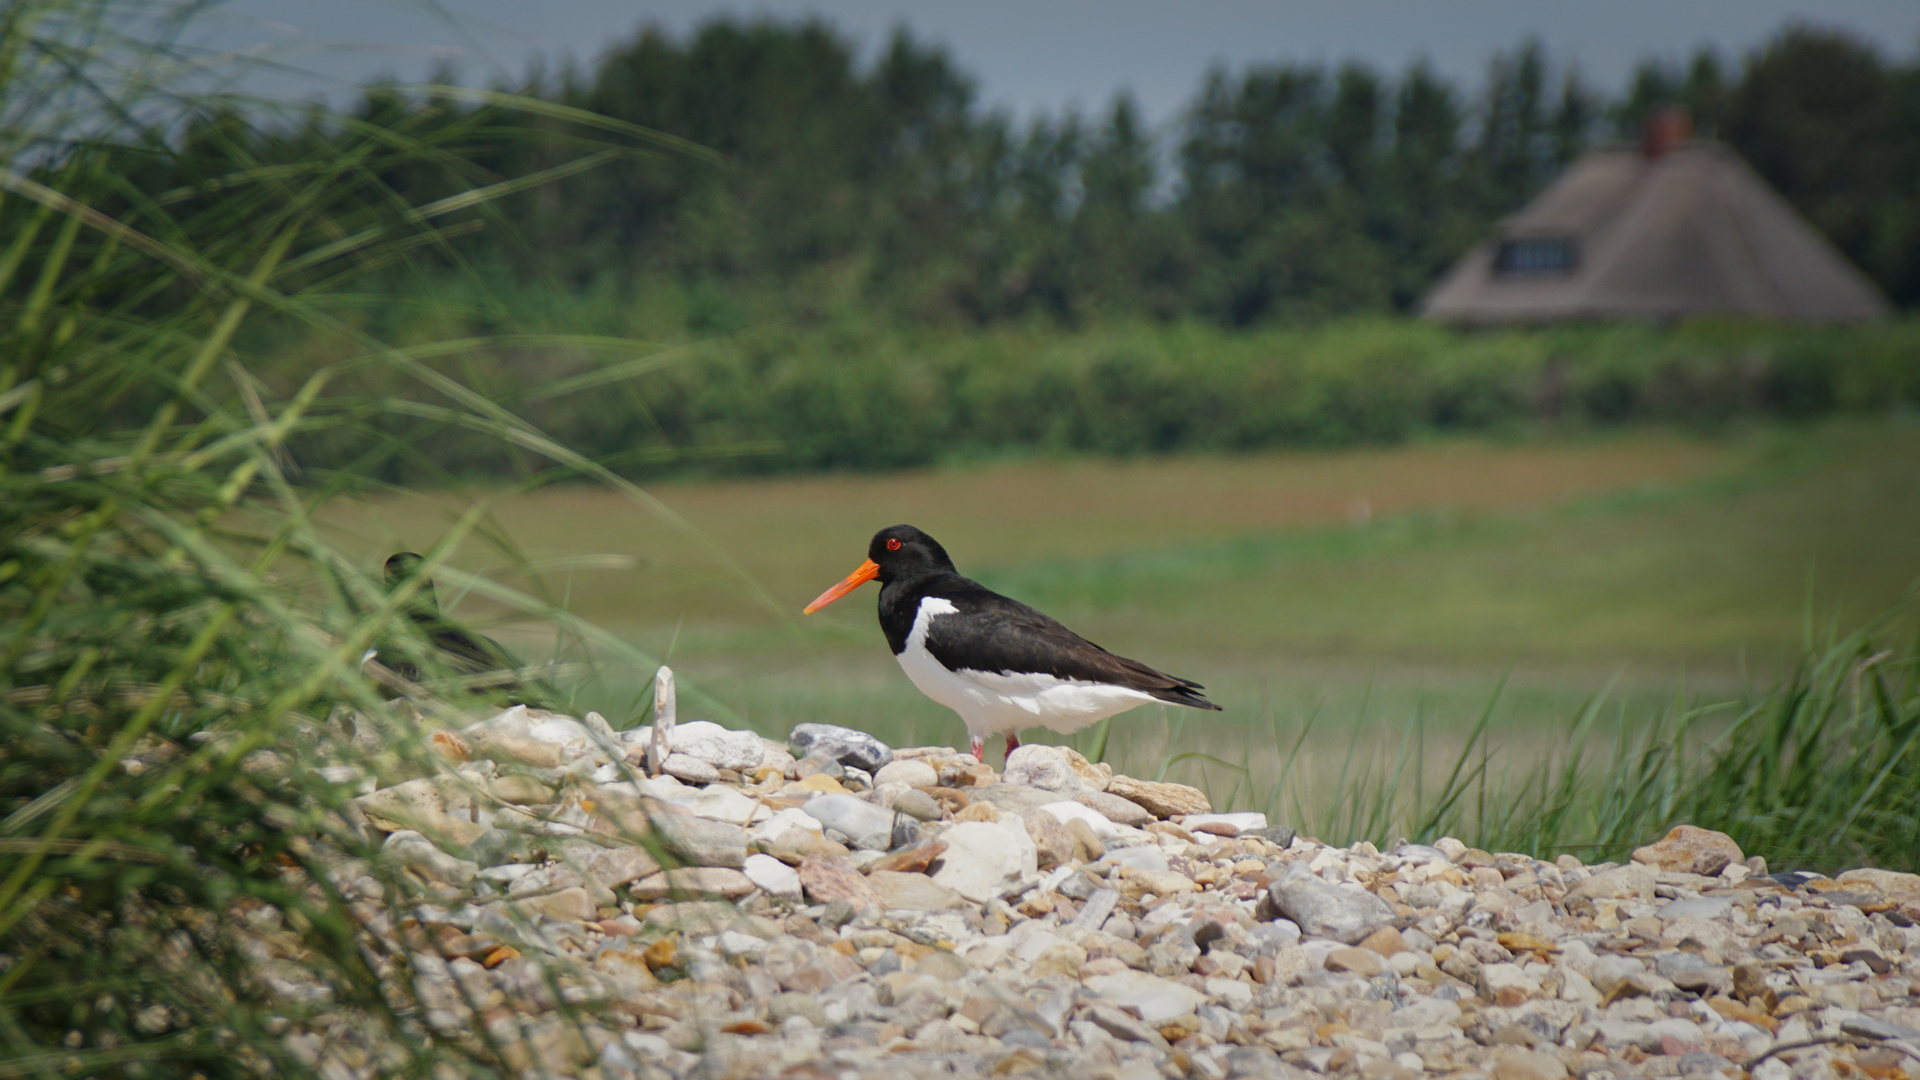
(1283, 192)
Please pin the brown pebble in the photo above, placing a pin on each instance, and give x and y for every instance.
(911, 860)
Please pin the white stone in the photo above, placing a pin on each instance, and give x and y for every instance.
(988, 859)
(1045, 767)
(772, 829)
(564, 730)
(734, 943)
(867, 825)
(689, 769)
(773, 877)
(1245, 822)
(1102, 826)
(1235, 994)
(911, 773)
(1156, 998)
(719, 747)
(723, 803)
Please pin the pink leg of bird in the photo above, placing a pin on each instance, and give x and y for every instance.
(979, 746)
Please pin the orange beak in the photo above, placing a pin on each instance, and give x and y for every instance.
(867, 571)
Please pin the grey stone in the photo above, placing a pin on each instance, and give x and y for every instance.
(1023, 1035)
(415, 852)
(918, 805)
(1099, 906)
(1152, 997)
(1277, 835)
(916, 892)
(1702, 908)
(844, 745)
(1013, 798)
(703, 841)
(867, 825)
(1121, 1026)
(1114, 808)
(1145, 857)
(717, 746)
(499, 847)
(1875, 1028)
(1330, 911)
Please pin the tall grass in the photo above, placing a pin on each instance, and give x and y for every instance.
(1820, 772)
(181, 892)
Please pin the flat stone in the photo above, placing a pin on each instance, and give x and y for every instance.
(415, 852)
(1235, 823)
(985, 860)
(613, 867)
(568, 905)
(826, 882)
(1893, 884)
(1160, 798)
(917, 892)
(915, 774)
(1620, 883)
(772, 876)
(690, 769)
(719, 747)
(1013, 798)
(1691, 850)
(1137, 858)
(1701, 908)
(1122, 1026)
(1154, 998)
(1529, 1065)
(867, 825)
(844, 745)
(693, 881)
(702, 841)
(1114, 808)
(722, 803)
(1329, 911)
(1358, 961)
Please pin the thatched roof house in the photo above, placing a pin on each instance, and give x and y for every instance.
(1675, 228)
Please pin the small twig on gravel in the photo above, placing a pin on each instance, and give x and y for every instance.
(1851, 1040)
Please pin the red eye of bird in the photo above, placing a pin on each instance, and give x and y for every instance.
(893, 545)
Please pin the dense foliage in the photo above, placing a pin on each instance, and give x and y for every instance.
(1283, 191)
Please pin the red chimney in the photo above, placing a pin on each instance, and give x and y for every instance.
(1667, 128)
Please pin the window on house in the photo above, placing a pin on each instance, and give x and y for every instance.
(1535, 256)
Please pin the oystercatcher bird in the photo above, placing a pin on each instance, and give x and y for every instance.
(997, 662)
(463, 652)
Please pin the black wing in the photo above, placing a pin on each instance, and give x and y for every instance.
(993, 633)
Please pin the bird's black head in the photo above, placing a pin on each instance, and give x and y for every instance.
(404, 565)
(401, 566)
(902, 551)
(897, 552)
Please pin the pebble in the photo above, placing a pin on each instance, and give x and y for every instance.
(740, 751)
(1330, 911)
(867, 825)
(914, 774)
(772, 876)
(847, 746)
(1691, 850)
(987, 860)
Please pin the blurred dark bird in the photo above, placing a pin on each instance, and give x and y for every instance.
(997, 662)
(468, 654)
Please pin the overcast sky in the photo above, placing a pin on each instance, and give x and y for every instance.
(1031, 55)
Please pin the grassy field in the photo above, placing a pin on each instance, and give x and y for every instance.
(1357, 588)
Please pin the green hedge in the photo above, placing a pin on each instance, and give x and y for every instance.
(841, 395)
